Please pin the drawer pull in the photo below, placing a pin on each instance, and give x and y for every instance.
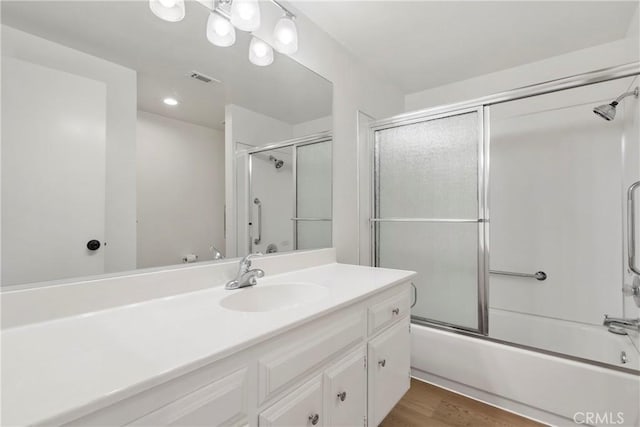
(342, 396)
(382, 362)
(314, 418)
(396, 311)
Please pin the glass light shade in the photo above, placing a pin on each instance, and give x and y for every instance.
(220, 32)
(285, 35)
(245, 14)
(260, 53)
(169, 10)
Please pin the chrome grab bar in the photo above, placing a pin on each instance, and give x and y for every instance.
(257, 240)
(631, 227)
(538, 275)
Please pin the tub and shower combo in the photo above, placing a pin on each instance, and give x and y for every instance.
(519, 213)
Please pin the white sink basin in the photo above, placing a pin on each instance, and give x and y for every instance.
(273, 297)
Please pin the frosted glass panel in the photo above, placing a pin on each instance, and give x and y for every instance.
(313, 170)
(445, 256)
(313, 234)
(429, 169)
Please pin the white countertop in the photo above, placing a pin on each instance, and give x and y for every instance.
(61, 369)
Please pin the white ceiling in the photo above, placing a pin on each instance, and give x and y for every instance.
(423, 44)
(163, 53)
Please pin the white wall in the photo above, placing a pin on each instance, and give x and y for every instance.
(120, 226)
(313, 126)
(48, 214)
(590, 59)
(634, 27)
(354, 88)
(249, 127)
(180, 190)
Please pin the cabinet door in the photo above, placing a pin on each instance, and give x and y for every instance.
(302, 407)
(389, 364)
(222, 403)
(346, 390)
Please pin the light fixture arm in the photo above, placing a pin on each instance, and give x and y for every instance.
(635, 92)
(222, 6)
(286, 11)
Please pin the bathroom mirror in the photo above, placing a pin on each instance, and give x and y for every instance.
(129, 142)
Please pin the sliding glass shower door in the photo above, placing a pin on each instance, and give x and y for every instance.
(429, 209)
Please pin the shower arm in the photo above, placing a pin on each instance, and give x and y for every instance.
(635, 92)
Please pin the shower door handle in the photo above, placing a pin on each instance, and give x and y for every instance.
(257, 240)
(631, 227)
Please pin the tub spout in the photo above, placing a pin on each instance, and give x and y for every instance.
(619, 322)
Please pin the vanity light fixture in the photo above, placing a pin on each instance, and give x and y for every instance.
(285, 35)
(227, 15)
(169, 10)
(220, 32)
(260, 53)
(170, 101)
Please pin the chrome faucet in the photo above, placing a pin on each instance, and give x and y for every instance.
(245, 276)
(216, 253)
(615, 324)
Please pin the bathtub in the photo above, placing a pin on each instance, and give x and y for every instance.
(551, 389)
(592, 342)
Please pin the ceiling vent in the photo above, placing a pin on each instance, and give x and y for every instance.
(203, 78)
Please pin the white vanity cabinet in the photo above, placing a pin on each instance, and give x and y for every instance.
(389, 370)
(373, 374)
(302, 407)
(345, 390)
(348, 367)
(337, 397)
(224, 402)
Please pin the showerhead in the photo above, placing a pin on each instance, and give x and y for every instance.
(608, 111)
(279, 163)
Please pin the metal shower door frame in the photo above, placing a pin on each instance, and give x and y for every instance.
(480, 220)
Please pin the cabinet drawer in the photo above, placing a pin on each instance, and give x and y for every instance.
(282, 367)
(302, 407)
(345, 390)
(222, 403)
(389, 364)
(388, 311)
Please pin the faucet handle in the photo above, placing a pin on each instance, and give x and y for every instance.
(255, 275)
(247, 259)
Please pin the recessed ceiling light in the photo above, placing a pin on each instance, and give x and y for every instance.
(170, 101)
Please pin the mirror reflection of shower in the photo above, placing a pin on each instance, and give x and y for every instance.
(292, 179)
(608, 111)
(278, 163)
